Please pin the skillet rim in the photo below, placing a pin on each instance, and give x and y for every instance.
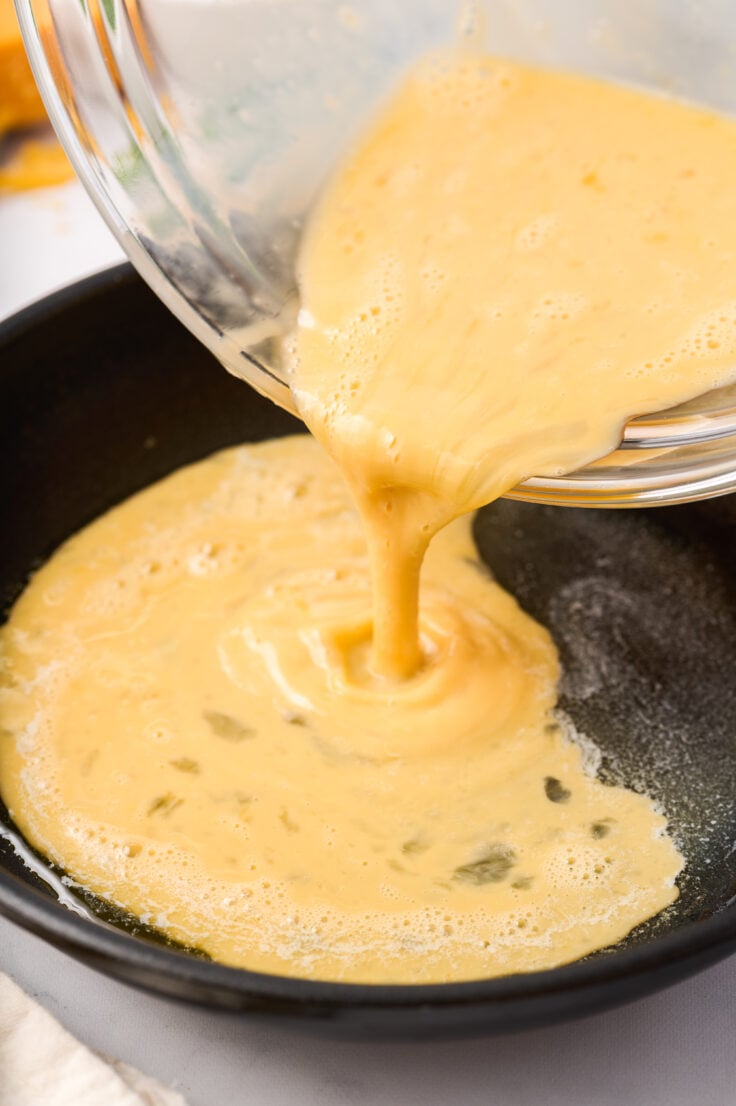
(580, 987)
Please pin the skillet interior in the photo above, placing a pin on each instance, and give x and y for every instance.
(102, 392)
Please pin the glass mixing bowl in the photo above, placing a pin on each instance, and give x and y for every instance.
(203, 130)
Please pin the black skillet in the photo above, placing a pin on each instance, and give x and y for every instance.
(102, 392)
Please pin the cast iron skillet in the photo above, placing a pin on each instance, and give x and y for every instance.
(102, 391)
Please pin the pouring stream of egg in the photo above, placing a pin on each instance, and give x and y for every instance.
(511, 263)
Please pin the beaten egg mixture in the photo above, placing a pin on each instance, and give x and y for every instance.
(274, 705)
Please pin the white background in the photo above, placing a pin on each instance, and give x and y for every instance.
(677, 1048)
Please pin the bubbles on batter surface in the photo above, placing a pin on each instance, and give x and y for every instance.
(556, 307)
(537, 233)
(712, 337)
(578, 866)
(211, 557)
(478, 84)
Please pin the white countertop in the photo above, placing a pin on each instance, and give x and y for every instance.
(677, 1048)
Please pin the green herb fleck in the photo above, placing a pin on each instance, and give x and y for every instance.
(227, 727)
(602, 828)
(289, 826)
(128, 167)
(414, 846)
(108, 6)
(555, 791)
(185, 764)
(523, 883)
(492, 867)
(164, 805)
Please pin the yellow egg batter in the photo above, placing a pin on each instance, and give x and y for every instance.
(196, 739)
(226, 705)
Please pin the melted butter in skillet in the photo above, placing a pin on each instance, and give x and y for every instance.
(191, 730)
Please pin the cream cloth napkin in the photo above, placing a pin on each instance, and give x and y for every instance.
(43, 1065)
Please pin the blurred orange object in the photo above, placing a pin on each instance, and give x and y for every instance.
(34, 164)
(20, 101)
